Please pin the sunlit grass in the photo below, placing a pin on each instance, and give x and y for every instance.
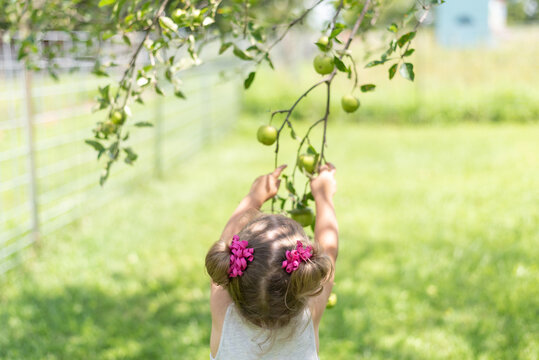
(438, 252)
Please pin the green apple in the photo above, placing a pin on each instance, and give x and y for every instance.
(266, 134)
(332, 301)
(304, 216)
(323, 64)
(307, 162)
(117, 117)
(349, 103)
(324, 43)
(108, 127)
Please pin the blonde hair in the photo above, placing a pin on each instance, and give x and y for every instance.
(266, 295)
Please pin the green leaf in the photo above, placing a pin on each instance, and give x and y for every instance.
(339, 27)
(224, 47)
(293, 134)
(126, 40)
(247, 83)
(374, 63)
(167, 23)
(96, 145)
(143, 124)
(405, 38)
(113, 150)
(407, 71)
(392, 71)
(104, 91)
(104, 176)
(21, 54)
(393, 28)
(311, 150)
(340, 64)
(241, 54)
(290, 187)
(106, 3)
(169, 75)
(368, 87)
(159, 90)
(408, 52)
(131, 156)
(179, 93)
(283, 202)
(270, 63)
(99, 71)
(129, 18)
(107, 35)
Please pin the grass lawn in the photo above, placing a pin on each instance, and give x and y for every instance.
(439, 248)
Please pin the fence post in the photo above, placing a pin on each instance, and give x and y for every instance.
(29, 125)
(158, 141)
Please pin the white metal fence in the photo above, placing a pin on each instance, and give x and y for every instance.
(49, 177)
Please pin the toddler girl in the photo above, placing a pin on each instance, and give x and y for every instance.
(270, 283)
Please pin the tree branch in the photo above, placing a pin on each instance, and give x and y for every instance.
(291, 25)
(332, 76)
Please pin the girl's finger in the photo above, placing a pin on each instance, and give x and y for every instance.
(323, 168)
(277, 172)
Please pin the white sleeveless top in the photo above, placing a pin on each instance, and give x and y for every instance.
(241, 340)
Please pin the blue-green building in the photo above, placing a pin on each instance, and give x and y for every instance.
(468, 23)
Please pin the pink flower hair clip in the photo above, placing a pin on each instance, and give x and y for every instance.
(294, 257)
(239, 256)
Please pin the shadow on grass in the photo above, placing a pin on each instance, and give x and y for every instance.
(82, 322)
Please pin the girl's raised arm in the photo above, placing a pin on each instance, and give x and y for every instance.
(326, 230)
(264, 188)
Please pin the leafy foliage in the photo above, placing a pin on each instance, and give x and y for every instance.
(173, 33)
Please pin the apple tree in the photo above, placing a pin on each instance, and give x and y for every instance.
(172, 35)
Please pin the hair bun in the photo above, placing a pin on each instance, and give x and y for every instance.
(218, 262)
(309, 277)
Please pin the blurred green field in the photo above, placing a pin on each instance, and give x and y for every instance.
(438, 259)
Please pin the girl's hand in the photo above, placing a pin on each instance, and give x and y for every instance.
(266, 186)
(324, 186)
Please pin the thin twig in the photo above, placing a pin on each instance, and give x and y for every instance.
(130, 71)
(131, 64)
(332, 76)
(305, 138)
(290, 26)
(288, 114)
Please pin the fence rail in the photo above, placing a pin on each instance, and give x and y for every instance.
(49, 177)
